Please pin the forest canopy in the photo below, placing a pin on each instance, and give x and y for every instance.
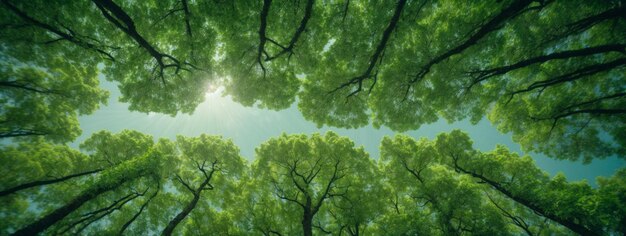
(297, 184)
(552, 73)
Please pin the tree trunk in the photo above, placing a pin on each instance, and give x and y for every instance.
(307, 218)
(568, 223)
(181, 216)
(115, 177)
(60, 213)
(307, 225)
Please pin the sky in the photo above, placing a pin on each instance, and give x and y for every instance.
(248, 127)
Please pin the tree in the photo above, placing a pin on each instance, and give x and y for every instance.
(36, 164)
(126, 183)
(450, 204)
(45, 83)
(58, 197)
(510, 180)
(308, 174)
(525, 65)
(548, 71)
(38, 171)
(612, 192)
(108, 181)
(205, 163)
(106, 33)
(46, 102)
(160, 71)
(512, 176)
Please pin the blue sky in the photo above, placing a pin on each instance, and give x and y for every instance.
(248, 127)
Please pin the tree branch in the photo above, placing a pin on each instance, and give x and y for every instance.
(584, 24)
(116, 15)
(580, 73)
(482, 75)
(17, 85)
(64, 36)
(326, 193)
(187, 16)
(20, 133)
(184, 183)
(96, 215)
(493, 24)
(575, 227)
(141, 209)
(262, 38)
(519, 222)
(45, 182)
(358, 80)
(289, 49)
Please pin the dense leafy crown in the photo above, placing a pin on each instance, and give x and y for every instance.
(298, 184)
(550, 72)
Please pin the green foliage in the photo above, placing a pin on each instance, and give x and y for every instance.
(126, 183)
(457, 203)
(549, 72)
(36, 161)
(47, 102)
(317, 180)
(128, 144)
(575, 205)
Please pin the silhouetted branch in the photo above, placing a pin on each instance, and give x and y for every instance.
(45, 182)
(572, 76)
(493, 24)
(72, 37)
(482, 75)
(358, 80)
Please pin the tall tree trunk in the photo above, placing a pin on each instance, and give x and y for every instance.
(196, 197)
(181, 216)
(568, 223)
(60, 213)
(307, 218)
(103, 185)
(307, 225)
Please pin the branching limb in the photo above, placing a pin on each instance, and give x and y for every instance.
(262, 37)
(358, 80)
(569, 223)
(301, 28)
(572, 76)
(16, 84)
(45, 182)
(586, 23)
(141, 209)
(71, 37)
(479, 76)
(280, 193)
(118, 17)
(21, 133)
(493, 24)
(184, 183)
(327, 190)
(518, 221)
(93, 216)
(187, 16)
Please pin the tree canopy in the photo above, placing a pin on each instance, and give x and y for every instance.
(552, 73)
(298, 184)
